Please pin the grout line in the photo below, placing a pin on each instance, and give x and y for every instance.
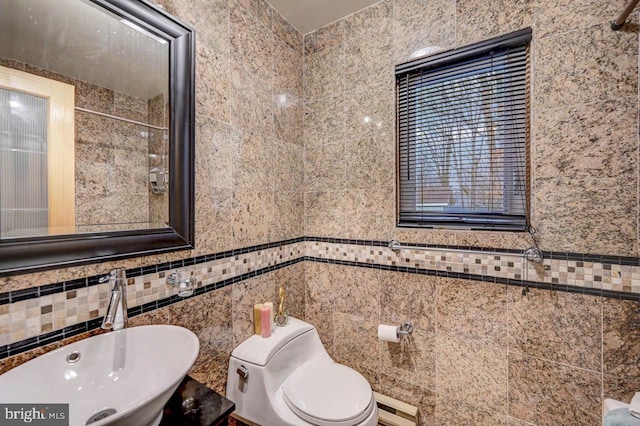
(602, 351)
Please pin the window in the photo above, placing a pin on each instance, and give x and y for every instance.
(463, 136)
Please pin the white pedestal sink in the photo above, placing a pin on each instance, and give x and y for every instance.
(120, 378)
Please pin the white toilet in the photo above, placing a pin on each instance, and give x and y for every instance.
(290, 379)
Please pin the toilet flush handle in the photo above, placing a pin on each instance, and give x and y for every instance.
(243, 372)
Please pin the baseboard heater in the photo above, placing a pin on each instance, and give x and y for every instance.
(392, 412)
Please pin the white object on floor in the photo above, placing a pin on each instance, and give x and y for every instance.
(634, 406)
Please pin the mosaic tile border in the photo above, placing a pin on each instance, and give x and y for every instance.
(35, 292)
(25, 319)
(618, 280)
(483, 278)
(50, 313)
(86, 326)
(559, 255)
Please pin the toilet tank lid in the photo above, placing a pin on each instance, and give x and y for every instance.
(258, 350)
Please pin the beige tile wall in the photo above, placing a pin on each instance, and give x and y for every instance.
(249, 170)
(584, 143)
(283, 151)
(249, 155)
(481, 353)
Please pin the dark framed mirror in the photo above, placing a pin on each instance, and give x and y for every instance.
(129, 173)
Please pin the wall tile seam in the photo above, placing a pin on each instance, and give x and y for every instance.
(326, 50)
(325, 29)
(575, 28)
(588, 103)
(364, 10)
(307, 54)
(557, 363)
(300, 36)
(307, 100)
(257, 18)
(287, 45)
(298, 50)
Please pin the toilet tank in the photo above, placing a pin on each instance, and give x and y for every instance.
(259, 351)
(269, 361)
(287, 348)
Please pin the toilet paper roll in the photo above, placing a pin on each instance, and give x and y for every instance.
(388, 333)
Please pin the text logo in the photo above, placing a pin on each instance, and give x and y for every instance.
(34, 414)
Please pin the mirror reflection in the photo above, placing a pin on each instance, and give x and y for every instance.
(84, 138)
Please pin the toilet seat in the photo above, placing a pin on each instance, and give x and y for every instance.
(324, 393)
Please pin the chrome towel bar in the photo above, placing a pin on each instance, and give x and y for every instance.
(115, 117)
(533, 254)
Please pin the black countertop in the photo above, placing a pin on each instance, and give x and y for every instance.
(194, 404)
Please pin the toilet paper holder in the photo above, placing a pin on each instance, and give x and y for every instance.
(394, 333)
(405, 330)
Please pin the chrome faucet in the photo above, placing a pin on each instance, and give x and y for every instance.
(116, 317)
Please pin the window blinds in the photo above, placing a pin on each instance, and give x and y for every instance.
(463, 136)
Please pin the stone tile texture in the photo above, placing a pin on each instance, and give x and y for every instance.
(481, 353)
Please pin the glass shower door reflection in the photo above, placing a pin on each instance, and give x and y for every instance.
(23, 165)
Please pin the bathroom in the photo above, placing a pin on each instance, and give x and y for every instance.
(288, 169)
